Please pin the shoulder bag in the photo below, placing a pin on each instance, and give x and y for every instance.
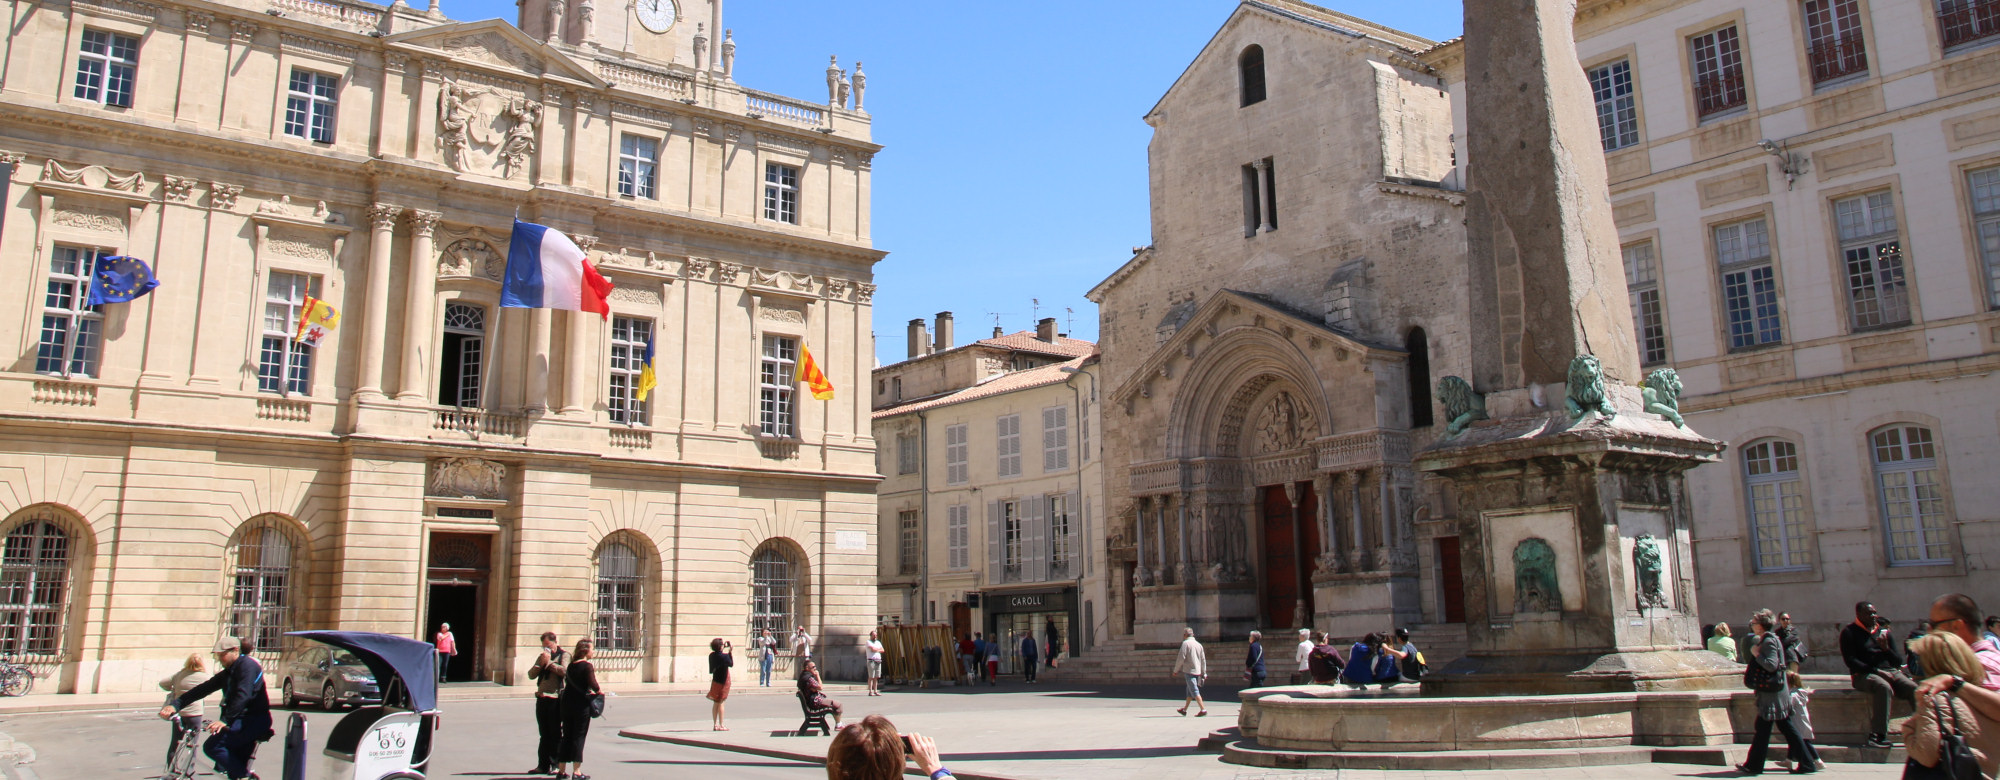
(1955, 759)
(597, 705)
(1758, 678)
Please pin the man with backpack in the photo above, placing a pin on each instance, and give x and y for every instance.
(548, 676)
(246, 709)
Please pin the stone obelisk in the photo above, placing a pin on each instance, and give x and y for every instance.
(1571, 504)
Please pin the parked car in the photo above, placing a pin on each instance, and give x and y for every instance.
(329, 676)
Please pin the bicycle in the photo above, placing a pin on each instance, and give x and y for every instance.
(15, 679)
(181, 760)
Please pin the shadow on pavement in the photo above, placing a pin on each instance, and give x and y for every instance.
(1072, 755)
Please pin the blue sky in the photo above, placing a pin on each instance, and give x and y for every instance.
(1015, 165)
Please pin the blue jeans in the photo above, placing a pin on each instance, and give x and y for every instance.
(233, 747)
(764, 672)
(444, 666)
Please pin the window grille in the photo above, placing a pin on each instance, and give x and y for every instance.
(620, 598)
(34, 587)
(261, 610)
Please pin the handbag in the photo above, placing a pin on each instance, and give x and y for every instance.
(1762, 680)
(597, 705)
(1955, 760)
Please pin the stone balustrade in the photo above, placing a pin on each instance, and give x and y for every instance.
(347, 14)
(477, 424)
(785, 109)
(63, 393)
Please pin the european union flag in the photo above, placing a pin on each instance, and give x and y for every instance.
(120, 279)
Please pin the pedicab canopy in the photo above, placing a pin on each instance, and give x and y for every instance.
(389, 657)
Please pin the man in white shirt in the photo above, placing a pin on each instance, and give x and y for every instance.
(802, 648)
(1304, 674)
(1192, 667)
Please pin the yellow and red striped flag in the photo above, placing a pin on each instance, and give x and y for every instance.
(316, 319)
(809, 373)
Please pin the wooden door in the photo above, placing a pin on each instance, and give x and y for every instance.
(1281, 562)
(1450, 580)
(1308, 544)
(961, 620)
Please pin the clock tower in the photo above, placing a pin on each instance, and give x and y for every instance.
(655, 31)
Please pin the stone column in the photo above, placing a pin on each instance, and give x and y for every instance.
(375, 304)
(577, 365)
(1323, 488)
(418, 306)
(1161, 564)
(1264, 199)
(1139, 530)
(538, 360)
(1301, 569)
(1180, 530)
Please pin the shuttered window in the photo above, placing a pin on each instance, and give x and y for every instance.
(1055, 439)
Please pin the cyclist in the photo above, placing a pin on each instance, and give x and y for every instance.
(246, 710)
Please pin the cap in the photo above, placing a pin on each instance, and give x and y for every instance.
(227, 644)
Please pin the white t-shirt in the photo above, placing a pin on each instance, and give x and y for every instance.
(1305, 652)
(874, 650)
(802, 644)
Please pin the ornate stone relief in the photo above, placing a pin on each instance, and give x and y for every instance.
(177, 189)
(1535, 585)
(864, 292)
(1650, 563)
(328, 49)
(198, 23)
(96, 176)
(492, 49)
(468, 478)
(482, 127)
(644, 296)
(299, 244)
(383, 215)
(83, 218)
(696, 267)
(123, 9)
(223, 196)
(395, 61)
(242, 32)
(726, 273)
(472, 257)
(780, 313)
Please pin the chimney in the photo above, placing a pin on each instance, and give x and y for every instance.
(1046, 330)
(943, 335)
(997, 332)
(919, 340)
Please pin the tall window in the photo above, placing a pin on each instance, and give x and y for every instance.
(1055, 439)
(774, 590)
(1877, 294)
(1260, 196)
(309, 109)
(1985, 186)
(1911, 496)
(34, 586)
(285, 366)
(1007, 432)
(1617, 107)
(958, 537)
(1961, 22)
(781, 193)
(462, 356)
(1777, 506)
(1250, 72)
(71, 328)
(1417, 345)
(1013, 545)
(621, 587)
(777, 383)
(638, 167)
(1649, 323)
(907, 453)
(956, 452)
(1833, 39)
(629, 337)
(107, 64)
(1062, 546)
(1749, 284)
(1717, 58)
(1083, 432)
(907, 524)
(261, 610)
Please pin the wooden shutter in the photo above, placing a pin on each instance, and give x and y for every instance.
(1035, 539)
(995, 545)
(1083, 515)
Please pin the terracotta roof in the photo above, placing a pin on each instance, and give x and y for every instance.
(1000, 383)
(1025, 341)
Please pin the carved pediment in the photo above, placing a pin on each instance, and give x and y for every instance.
(497, 45)
(1227, 311)
(467, 478)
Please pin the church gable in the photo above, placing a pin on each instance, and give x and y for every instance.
(498, 45)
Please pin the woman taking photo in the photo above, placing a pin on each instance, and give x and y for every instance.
(579, 693)
(1766, 675)
(1948, 658)
(719, 663)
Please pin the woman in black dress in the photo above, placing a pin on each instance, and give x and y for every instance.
(579, 688)
(719, 663)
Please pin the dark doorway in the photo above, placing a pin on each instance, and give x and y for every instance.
(1450, 580)
(1418, 345)
(459, 606)
(1309, 545)
(1281, 560)
(1131, 614)
(961, 619)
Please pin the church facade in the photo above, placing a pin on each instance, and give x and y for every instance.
(179, 467)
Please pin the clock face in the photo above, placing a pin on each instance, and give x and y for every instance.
(657, 15)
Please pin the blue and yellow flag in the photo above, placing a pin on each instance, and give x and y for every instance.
(648, 378)
(120, 279)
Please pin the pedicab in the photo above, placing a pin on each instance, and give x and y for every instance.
(392, 740)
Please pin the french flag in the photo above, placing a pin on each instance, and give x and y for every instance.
(546, 270)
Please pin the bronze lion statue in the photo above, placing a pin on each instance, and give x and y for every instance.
(1586, 389)
(1662, 391)
(1461, 405)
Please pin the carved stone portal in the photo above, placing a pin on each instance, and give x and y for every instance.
(468, 478)
(1283, 424)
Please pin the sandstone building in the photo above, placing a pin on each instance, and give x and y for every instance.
(992, 488)
(176, 467)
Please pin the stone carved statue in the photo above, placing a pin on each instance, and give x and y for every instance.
(833, 80)
(700, 44)
(555, 21)
(1586, 389)
(455, 117)
(846, 88)
(1280, 426)
(586, 20)
(860, 85)
(728, 53)
(1662, 392)
(468, 478)
(1535, 585)
(520, 143)
(1650, 564)
(1462, 406)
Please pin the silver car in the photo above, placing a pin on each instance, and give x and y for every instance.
(329, 676)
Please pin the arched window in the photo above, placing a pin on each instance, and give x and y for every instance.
(1910, 494)
(1250, 69)
(1777, 506)
(621, 597)
(262, 601)
(775, 595)
(1419, 380)
(34, 586)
